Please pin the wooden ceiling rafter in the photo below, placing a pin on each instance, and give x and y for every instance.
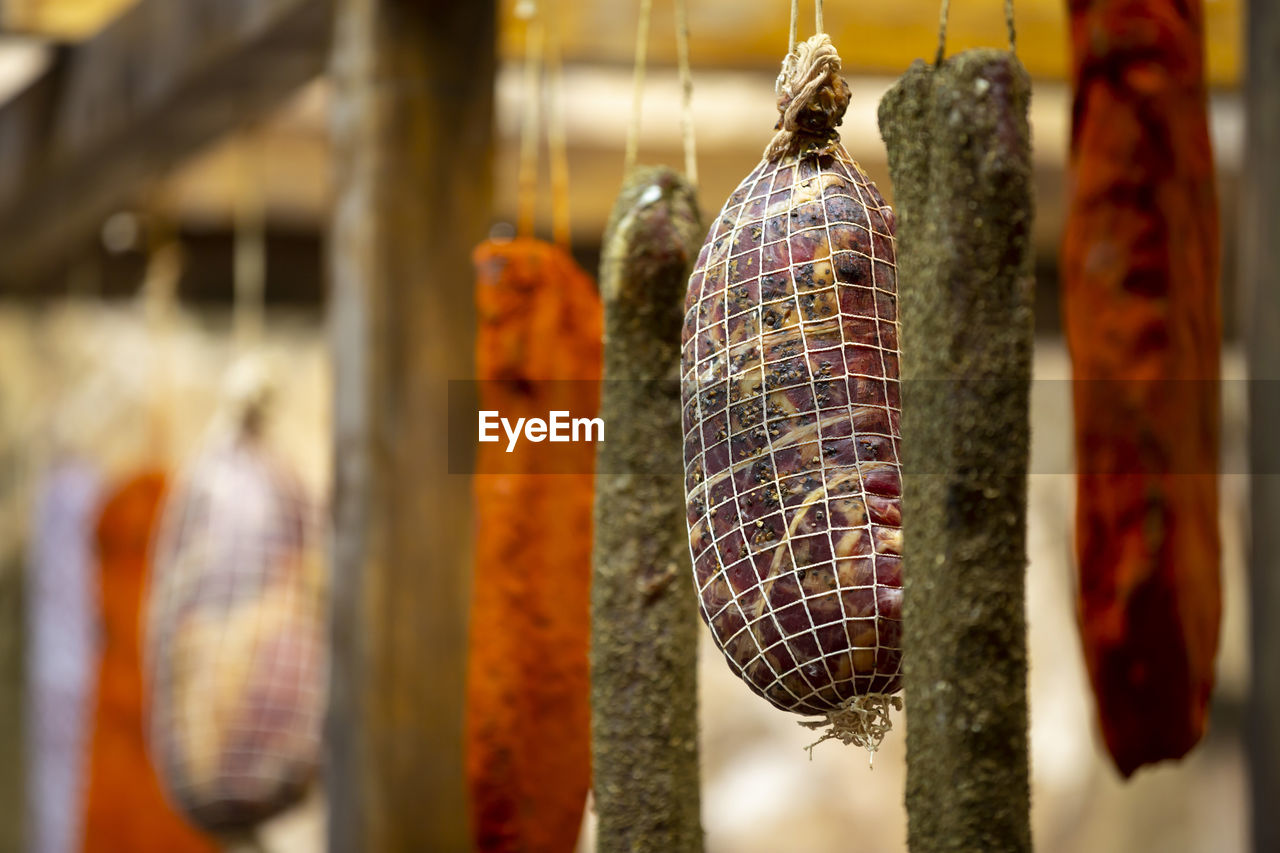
(114, 112)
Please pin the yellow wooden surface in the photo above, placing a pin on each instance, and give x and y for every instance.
(70, 19)
(882, 37)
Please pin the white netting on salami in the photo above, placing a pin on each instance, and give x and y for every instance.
(791, 406)
(236, 661)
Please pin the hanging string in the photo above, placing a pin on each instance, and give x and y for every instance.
(942, 32)
(817, 17)
(557, 145)
(159, 299)
(527, 179)
(250, 255)
(791, 29)
(1008, 21)
(686, 94)
(544, 63)
(942, 29)
(687, 135)
(637, 80)
(788, 61)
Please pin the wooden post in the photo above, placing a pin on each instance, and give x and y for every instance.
(13, 801)
(960, 159)
(412, 133)
(1259, 261)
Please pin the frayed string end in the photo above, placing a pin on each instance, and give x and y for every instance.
(862, 721)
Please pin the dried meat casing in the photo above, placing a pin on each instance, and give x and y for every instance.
(790, 395)
(644, 691)
(135, 816)
(1141, 311)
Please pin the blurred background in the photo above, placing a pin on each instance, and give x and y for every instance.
(203, 126)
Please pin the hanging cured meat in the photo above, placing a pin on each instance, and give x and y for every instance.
(959, 145)
(790, 393)
(528, 719)
(126, 808)
(62, 653)
(644, 622)
(236, 659)
(1140, 282)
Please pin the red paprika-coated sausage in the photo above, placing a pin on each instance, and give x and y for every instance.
(1140, 280)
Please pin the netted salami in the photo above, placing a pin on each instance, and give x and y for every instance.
(236, 659)
(790, 393)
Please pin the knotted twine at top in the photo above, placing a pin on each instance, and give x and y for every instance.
(248, 392)
(812, 98)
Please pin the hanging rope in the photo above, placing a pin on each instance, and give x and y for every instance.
(544, 64)
(557, 144)
(637, 85)
(791, 33)
(1008, 21)
(686, 94)
(945, 12)
(687, 135)
(250, 254)
(811, 87)
(789, 61)
(159, 300)
(942, 32)
(527, 179)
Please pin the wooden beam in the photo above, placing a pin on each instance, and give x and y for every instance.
(412, 134)
(163, 79)
(63, 19)
(13, 800)
(871, 37)
(731, 34)
(1259, 260)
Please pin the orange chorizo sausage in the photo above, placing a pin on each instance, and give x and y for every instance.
(126, 809)
(528, 717)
